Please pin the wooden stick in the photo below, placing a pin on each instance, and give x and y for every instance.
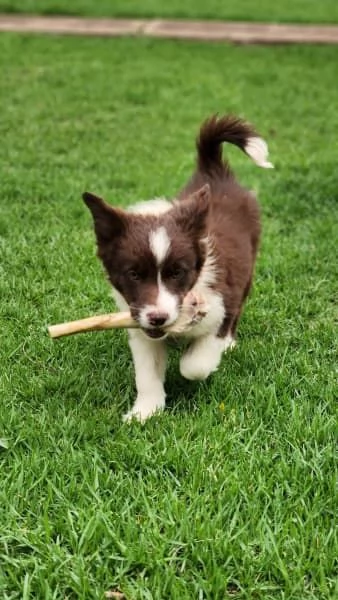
(96, 323)
(192, 311)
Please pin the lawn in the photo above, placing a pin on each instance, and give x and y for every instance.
(230, 493)
(303, 11)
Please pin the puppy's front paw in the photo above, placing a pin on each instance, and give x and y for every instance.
(193, 368)
(202, 358)
(143, 409)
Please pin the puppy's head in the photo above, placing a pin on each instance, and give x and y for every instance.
(152, 260)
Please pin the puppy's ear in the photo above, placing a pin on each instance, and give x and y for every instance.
(193, 211)
(108, 222)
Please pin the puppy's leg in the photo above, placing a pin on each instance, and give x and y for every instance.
(227, 331)
(204, 354)
(150, 363)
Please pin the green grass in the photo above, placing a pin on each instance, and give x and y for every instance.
(302, 11)
(230, 493)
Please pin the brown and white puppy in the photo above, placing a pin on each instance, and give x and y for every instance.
(204, 241)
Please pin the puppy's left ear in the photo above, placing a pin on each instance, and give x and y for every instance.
(193, 211)
(109, 222)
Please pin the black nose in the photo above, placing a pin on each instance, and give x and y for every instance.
(157, 319)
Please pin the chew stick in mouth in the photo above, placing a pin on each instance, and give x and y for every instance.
(96, 323)
(192, 311)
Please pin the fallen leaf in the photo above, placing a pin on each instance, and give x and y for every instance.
(115, 594)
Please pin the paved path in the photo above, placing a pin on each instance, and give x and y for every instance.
(243, 33)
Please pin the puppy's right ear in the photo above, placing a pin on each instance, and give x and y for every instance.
(109, 222)
(192, 212)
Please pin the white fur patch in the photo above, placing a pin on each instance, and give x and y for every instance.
(257, 149)
(150, 365)
(207, 276)
(158, 206)
(213, 300)
(166, 302)
(229, 342)
(159, 243)
(202, 358)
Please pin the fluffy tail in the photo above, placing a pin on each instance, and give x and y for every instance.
(214, 131)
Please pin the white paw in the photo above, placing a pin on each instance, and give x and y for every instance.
(193, 368)
(203, 356)
(143, 409)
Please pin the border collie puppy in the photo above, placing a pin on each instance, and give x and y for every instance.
(204, 242)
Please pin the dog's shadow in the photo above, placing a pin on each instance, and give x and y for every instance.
(182, 394)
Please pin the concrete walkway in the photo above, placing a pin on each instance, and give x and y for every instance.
(241, 33)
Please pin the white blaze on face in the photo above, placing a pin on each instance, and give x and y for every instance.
(257, 149)
(159, 243)
(166, 302)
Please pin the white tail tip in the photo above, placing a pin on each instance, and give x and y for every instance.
(257, 149)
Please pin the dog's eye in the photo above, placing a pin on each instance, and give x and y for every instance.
(176, 273)
(134, 275)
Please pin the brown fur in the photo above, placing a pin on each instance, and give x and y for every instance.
(233, 222)
(212, 204)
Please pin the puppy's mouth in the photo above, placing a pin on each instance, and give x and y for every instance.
(155, 333)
